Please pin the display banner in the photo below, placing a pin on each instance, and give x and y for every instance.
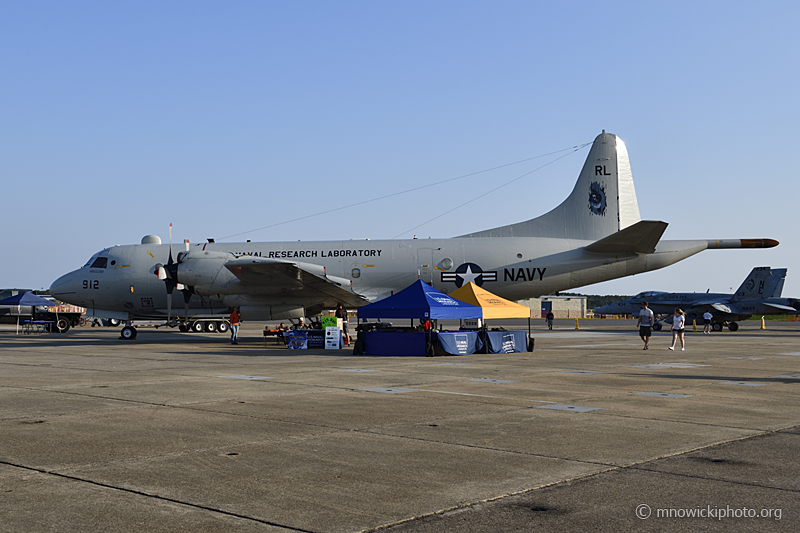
(333, 338)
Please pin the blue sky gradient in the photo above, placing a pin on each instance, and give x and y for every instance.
(225, 117)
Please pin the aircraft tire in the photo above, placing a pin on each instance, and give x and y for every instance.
(657, 327)
(114, 322)
(61, 325)
(733, 326)
(223, 327)
(183, 327)
(211, 327)
(128, 333)
(197, 327)
(716, 326)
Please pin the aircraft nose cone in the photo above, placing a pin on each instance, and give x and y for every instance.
(64, 288)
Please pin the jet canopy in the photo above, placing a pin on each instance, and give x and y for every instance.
(649, 294)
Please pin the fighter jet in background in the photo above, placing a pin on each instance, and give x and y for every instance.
(760, 294)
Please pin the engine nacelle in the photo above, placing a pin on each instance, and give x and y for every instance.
(204, 269)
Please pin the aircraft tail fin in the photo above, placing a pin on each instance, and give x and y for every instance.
(775, 283)
(602, 203)
(754, 285)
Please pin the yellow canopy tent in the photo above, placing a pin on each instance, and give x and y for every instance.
(493, 306)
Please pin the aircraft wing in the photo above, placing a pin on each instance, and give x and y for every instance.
(780, 307)
(640, 238)
(293, 279)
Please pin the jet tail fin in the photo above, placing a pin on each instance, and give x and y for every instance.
(775, 283)
(602, 202)
(754, 285)
(641, 238)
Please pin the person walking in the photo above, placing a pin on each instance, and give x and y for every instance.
(234, 324)
(549, 318)
(707, 322)
(678, 323)
(645, 323)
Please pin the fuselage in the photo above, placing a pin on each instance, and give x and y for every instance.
(121, 279)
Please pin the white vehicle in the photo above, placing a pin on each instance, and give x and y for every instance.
(595, 235)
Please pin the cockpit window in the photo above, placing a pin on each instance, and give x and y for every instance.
(649, 294)
(98, 260)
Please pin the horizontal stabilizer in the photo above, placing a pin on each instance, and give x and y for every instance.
(640, 238)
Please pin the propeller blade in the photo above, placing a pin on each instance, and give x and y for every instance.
(186, 244)
(170, 244)
(161, 272)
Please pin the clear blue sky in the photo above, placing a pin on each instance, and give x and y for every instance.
(224, 117)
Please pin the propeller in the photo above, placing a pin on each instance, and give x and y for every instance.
(169, 274)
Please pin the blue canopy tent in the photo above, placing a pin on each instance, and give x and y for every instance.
(25, 298)
(420, 301)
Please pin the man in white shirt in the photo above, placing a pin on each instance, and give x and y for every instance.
(644, 324)
(707, 323)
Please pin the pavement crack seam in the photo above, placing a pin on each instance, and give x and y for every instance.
(156, 496)
(487, 448)
(635, 466)
(708, 478)
(479, 502)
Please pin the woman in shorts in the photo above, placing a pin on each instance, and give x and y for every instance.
(678, 323)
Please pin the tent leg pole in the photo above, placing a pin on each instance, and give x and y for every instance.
(529, 334)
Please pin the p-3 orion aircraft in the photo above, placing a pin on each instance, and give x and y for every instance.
(595, 235)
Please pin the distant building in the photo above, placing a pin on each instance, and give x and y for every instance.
(562, 306)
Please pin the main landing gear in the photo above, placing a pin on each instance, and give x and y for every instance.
(732, 326)
(128, 333)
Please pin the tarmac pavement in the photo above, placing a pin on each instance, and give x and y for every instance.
(183, 431)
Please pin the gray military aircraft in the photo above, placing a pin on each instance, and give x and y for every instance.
(595, 235)
(759, 294)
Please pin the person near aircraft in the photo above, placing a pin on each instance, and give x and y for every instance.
(550, 316)
(644, 324)
(678, 323)
(234, 325)
(341, 312)
(707, 316)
